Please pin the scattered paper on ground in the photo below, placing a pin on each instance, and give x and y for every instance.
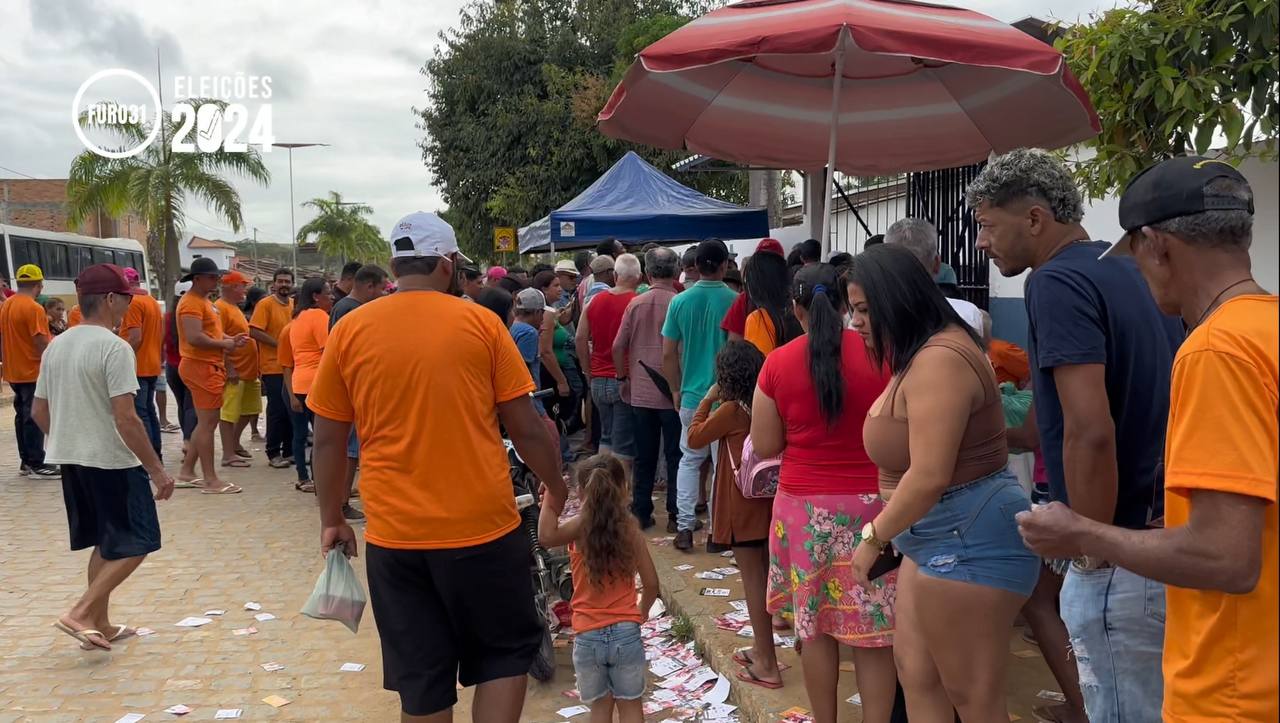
(683, 568)
(227, 714)
(252, 606)
(272, 667)
(573, 710)
(192, 622)
(215, 613)
(178, 709)
(719, 693)
(708, 575)
(856, 699)
(264, 617)
(715, 592)
(1052, 695)
(276, 701)
(352, 667)
(245, 631)
(144, 632)
(131, 718)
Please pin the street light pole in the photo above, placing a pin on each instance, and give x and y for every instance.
(293, 231)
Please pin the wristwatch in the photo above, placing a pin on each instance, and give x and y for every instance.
(869, 536)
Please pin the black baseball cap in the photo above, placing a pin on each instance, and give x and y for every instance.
(203, 266)
(1173, 188)
(711, 253)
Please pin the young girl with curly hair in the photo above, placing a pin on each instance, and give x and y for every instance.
(606, 550)
(737, 521)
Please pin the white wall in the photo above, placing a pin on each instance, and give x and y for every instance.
(222, 257)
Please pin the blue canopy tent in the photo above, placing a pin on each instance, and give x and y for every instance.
(633, 201)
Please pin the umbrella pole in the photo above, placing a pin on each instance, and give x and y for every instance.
(830, 177)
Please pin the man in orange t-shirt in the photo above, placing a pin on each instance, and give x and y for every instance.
(1188, 222)
(270, 317)
(203, 348)
(24, 334)
(242, 393)
(143, 328)
(435, 480)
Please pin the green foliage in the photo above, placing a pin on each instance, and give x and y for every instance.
(156, 185)
(343, 231)
(509, 123)
(1177, 77)
(682, 628)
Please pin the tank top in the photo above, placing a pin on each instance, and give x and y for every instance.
(983, 449)
(599, 607)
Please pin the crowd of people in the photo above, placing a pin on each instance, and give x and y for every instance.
(873, 397)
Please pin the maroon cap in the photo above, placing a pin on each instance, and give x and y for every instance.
(105, 279)
(770, 245)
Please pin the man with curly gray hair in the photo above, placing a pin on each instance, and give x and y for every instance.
(1101, 354)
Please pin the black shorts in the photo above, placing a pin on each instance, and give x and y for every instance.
(462, 615)
(111, 509)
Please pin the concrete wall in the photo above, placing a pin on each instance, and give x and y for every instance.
(1101, 218)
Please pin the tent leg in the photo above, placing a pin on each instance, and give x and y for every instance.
(830, 177)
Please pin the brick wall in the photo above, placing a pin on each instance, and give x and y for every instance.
(42, 204)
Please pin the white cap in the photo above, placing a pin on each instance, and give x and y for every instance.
(181, 287)
(428, 235)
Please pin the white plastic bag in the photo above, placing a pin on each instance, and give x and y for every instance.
(337, 594)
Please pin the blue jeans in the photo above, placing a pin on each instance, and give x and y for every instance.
(610, 660)
(688, 477)
(301, 426)
(1115, 621)
(144, 403)
(616, 424)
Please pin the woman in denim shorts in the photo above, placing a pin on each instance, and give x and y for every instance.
(938, 436)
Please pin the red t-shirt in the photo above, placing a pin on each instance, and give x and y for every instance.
(604, 315)
(735, 319)
(822, 460)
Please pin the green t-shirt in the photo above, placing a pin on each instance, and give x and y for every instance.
(693, 319)
(562, 344)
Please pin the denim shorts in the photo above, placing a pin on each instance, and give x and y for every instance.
(610, 660)
(616, 423)
(353, 445)
(970, 536)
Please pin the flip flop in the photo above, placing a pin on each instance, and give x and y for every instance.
(308, 487)
(83, 635)
(170, 429)
(746, 676)
(742, 658)
(244, 453)
(237, 463)
(227, 489)
(193, 484)
(122, 632)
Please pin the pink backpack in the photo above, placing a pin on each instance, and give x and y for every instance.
(756, 477)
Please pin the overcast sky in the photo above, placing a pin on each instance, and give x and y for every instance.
(347, 75)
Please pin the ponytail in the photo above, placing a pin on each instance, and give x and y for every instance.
(607, 530)
(817, 289)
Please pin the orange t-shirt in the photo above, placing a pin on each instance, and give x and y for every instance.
(308, 335)
(1010, 362)
(144, 314)
(759, 331)
(1220, 649)
(75, 316)
(596, 607)
(433, 469)
(272, 317)
(22, 318)
(284, 350)
(199, 307)
(245, 358)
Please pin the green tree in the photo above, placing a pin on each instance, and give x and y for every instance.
(342, 230)
(1175, 77)
(509, 122)
(156, 185)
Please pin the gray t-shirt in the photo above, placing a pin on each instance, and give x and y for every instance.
(83, 368)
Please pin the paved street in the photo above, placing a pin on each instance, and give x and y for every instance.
(260, 546)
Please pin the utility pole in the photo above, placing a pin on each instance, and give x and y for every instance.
(255, 255)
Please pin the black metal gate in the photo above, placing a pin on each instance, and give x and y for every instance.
(939, 197)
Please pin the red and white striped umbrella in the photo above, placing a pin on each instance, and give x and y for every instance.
(865, 86)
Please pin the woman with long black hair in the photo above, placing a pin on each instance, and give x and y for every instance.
(772, 323)
(810, 403)
(937, 435)
(308, 333)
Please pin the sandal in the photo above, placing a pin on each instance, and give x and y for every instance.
(188, 485)
(170, 428)
(237, 463)
(244, 453)
(280, 463)
(84, 636)
(746, 676)
(122, 632)
(226, 489)
(305, 486)
(742, 657)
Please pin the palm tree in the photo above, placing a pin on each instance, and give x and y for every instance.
(156, 184)
(342, 231)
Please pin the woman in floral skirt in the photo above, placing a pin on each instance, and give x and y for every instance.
(811, 400)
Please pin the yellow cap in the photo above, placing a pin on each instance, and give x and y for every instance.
(30, 272)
